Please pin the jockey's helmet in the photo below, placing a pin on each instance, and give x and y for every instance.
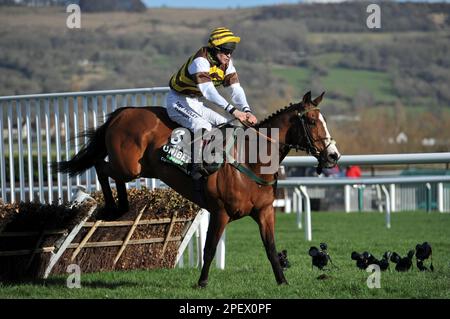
(223, 38)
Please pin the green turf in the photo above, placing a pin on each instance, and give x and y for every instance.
(248, 273)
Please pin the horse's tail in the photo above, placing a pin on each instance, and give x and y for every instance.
(91, 153)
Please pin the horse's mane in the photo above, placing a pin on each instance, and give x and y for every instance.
(288, 108)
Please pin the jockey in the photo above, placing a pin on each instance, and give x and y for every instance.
(208, 68)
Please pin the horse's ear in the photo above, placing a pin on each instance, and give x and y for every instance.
(307, 98)
(318, 99)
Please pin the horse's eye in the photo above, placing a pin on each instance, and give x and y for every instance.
(312, 122)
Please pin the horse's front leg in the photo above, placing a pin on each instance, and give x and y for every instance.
(217, 223)
(266, 221)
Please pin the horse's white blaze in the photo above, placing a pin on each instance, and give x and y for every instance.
(328, 135)
(331, 148)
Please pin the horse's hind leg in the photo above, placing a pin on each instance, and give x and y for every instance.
(110, 204)
(122, 196)
(217, 223)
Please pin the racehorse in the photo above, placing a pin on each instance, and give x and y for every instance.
(131, 137)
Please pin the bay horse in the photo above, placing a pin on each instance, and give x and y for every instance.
(132, 136)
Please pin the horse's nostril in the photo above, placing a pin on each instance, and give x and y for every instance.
(334, 156)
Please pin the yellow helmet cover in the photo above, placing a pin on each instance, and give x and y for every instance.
(220, 36)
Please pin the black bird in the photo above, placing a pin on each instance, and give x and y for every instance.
(384, 262)
(423, 252)
(284, 262)
(365, 259)
(403, 264)
(319, 257)
(361, 262)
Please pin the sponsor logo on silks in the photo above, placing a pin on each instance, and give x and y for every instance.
(185, 111)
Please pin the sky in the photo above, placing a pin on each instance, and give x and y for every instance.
(231, 3)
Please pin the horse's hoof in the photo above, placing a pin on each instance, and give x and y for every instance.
(109, 213)
(123, 209)
(202, 284)
(284, 282)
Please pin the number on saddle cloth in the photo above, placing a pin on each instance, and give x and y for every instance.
(178, 149)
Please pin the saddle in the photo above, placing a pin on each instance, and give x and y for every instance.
(178, 151)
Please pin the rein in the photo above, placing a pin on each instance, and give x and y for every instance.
(241, 168)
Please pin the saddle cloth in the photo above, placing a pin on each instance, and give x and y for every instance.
(177, 152)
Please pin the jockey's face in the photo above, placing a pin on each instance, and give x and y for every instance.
(224, 55)
(223, 58)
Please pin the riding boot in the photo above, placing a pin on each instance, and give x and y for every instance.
(198, 170)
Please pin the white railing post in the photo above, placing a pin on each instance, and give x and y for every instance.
(308, 229)
(203, 229)
(379, 199)
(440, 197)
(388, 206)
(67, 142)
(20, 146)
(86, 125)
(48, 146)
(347, 198)
(12, 176)
(29, 151)
(2, 158)
(75, 132)
(220, 252)
(58, 147)
(393, 198)
(299, 208)
(191, 250)
(39, 151)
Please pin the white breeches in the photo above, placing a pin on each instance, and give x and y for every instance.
(190, 113)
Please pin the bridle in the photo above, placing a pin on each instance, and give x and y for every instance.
(305, 130)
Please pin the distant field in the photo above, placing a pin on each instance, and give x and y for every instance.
(345, 81)
(368, 37)
(296, 77)
(349, 82)
(248, 273)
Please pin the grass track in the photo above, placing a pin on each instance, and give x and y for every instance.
(248, 273)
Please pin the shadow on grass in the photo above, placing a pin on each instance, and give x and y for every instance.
(62, 282)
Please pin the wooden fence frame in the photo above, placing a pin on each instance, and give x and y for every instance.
(67, 237)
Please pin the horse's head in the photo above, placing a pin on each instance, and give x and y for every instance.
(310, 133)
